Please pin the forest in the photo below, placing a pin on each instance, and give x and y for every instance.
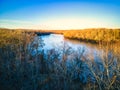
(93, 35)
(62, 69)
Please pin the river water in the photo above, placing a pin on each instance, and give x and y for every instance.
(57, 41)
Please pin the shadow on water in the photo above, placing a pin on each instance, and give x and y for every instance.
(53, 63)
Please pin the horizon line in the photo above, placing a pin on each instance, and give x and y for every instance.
(55, 29)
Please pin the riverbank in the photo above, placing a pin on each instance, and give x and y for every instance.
(94, 36)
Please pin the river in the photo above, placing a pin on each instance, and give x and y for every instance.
(57, 41)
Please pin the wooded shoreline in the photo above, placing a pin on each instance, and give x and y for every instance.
(94, 36)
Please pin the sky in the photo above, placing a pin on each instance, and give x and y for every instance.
(59, 14)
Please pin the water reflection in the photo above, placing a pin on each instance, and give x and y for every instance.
(52, 41)
(56, 41)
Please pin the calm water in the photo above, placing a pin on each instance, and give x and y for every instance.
(90, 51)
(56, 41)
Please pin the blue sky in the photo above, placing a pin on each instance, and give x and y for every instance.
(59, 14)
